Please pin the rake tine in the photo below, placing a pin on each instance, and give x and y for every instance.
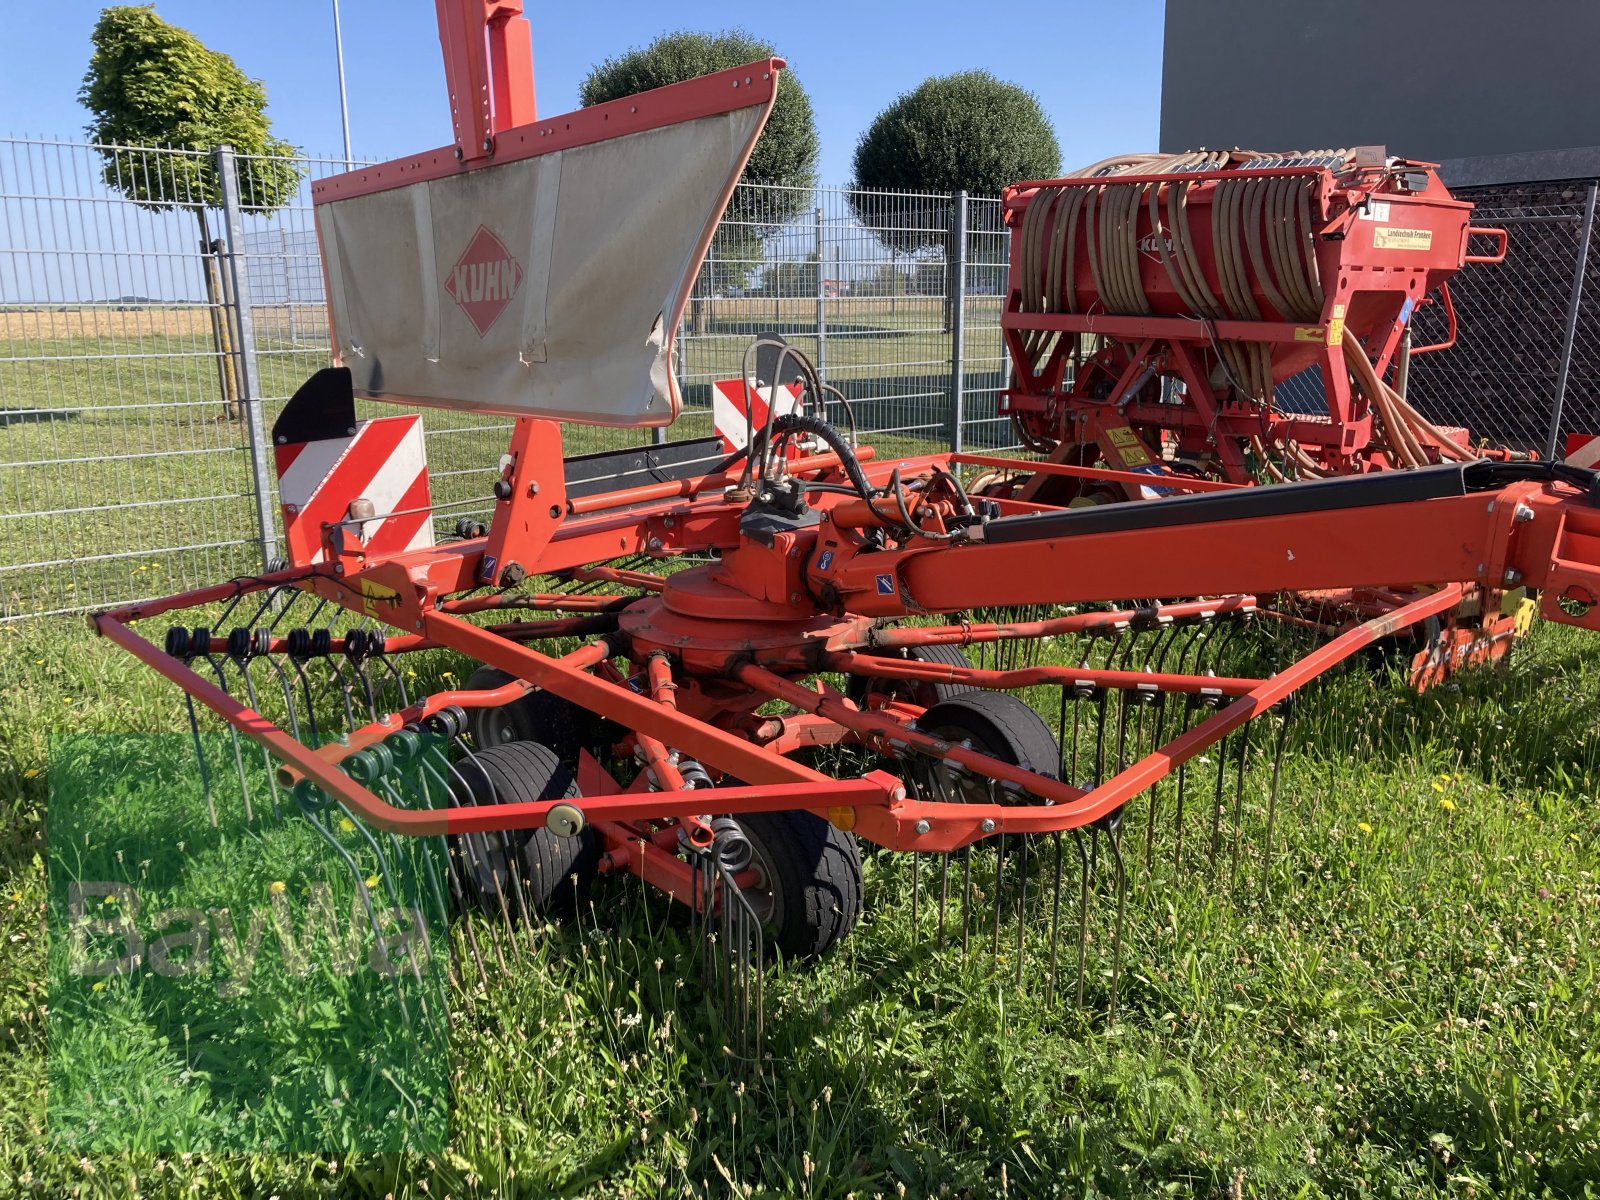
(290, 708)
(1272, 803)
(233, 735)
(200, 757)
(916, 892)
(1238, 804)
(1217, 804)
(266, 757)
(1055, 913)
(1022, 906)
(1115, 841)
(1083, 910)
(999, 875)
(966, 900)
(1190, 704)
(944, 899)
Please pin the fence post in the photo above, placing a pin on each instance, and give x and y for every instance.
(1571, 330)
(249, 373)
(957, 269)
(822, 307)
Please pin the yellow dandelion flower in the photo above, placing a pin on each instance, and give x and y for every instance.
(346, 825)
(99, 987)
(1364, 827)
(31, 773)
(277, 887)
(1438, 787)
(109, 900)
(371, 882)
(1447, 804)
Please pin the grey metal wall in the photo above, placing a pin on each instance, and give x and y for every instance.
(1431, 79)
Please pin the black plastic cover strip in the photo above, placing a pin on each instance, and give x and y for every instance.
(612, 470)
(1279, 500)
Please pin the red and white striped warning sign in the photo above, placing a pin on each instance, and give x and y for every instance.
(383, 462)
(1583, 449)
(728, 397)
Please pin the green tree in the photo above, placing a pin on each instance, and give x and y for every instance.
(785, 157)
(151, 84)
(964, 132)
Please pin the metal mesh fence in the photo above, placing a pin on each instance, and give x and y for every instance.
(146, 343)
(1502, 376)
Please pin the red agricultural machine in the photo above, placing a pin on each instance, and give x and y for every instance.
(678, 647)
(1159, 303)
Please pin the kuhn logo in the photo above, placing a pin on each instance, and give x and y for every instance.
(1150, 244)
(484, 280)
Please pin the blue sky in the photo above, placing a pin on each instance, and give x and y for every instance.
(1096, 67)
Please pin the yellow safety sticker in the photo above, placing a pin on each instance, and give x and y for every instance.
(1309, 333)
(373, 594)
(1391, 238)
(1336, 331)
(1127, 445)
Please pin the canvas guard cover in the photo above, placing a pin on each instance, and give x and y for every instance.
(541, 287)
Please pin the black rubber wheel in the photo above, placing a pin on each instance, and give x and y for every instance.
(998, 724)
(924, 694)
(537, 717)
(549, 871)
(808, 890)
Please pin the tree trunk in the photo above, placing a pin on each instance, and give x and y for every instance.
(219, 305)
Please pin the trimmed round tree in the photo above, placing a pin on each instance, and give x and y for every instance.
(965, 132)
(785, 156)
(152, 86)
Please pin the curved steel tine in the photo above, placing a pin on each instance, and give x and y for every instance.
(200, 758)
(1272, 802)
(1115, 841)
(291, 709)
(1217, 802)
(471, 848)
(999, 876)
(1055, 913)
(413, 852)
(1022, 904)
(1190, 704)
(317, 819)
(266, 757)
(238, 754)
(1101, 701)
(1238, 804)
(336, 671)
(1158, 738)
(1083, 910)
(311, 711)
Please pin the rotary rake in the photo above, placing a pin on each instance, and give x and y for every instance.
(720, 674)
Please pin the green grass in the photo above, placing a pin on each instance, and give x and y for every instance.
(1399, 1001)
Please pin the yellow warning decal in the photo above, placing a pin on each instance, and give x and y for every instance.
(1127, 445)
(1390, 238)
(374, 594)
(1309, 333)
(1336, 331)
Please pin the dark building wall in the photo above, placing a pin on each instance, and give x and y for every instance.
(1431, 79)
